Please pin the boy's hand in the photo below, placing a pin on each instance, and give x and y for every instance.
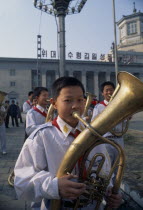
(113, 200)
(70, 189)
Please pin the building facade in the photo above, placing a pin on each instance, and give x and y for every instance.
(130, 47)
(18, 76)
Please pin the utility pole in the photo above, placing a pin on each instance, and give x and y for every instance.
(115, 42)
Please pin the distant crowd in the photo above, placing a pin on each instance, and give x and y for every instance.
(13, 111)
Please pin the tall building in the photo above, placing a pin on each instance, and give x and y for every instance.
(130, 47)
(131, 32)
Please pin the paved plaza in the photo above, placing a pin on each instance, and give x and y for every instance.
(133, 177)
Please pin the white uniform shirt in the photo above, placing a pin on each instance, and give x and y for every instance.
(27, 107)
(2, 109)
(97, 110)
(34, 119)
(38, 162)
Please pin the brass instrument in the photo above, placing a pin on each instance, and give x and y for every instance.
(2, 96)
(90, 97)
(125, 123)
(11, 179)
(50, 113)
(127, 101)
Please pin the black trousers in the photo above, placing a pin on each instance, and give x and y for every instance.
(14, 118)
(7, 121)
(20, 117)
(26, 136)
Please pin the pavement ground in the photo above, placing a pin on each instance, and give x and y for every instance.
(132, 183)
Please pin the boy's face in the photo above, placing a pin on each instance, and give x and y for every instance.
(42, 99)
(30, 97)
(69, 100)
(107, 92)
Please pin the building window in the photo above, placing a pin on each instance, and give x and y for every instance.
(50, 78)
(77, 74)
(34, 78)
(123, 32)
(142, 27)
(90, 81)
(12, 84)
(12, 72)
(132, 28)
(101, 79)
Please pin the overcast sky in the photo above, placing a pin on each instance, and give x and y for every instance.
(90, 31)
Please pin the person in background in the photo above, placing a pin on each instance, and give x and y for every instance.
(107, 89)
(19, 112)
(28, 104)
(13, 112)
(26, 107)
(37, 115)
(2, 129)
(6, 105)
(42, 153)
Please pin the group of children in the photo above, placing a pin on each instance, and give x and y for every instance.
(47, 143)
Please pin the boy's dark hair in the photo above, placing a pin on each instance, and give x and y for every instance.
(63, 82)
(107, 83)
(30, 93)
(37, 91)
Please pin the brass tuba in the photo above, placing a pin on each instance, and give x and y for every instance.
(125, 123)
(127, 101)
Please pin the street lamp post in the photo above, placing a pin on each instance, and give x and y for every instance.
(60, 8)
(115, 41)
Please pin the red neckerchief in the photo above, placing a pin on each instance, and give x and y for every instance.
(37, 110)
(77, 132)
(29, 103)
(102, 102)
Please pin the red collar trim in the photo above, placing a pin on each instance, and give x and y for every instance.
(84, 172)
(29, 103)
(77, 132)
(54, 123)
(37, 110)
(102, 102)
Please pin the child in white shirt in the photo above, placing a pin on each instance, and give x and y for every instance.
(43, 151)
(37, 114)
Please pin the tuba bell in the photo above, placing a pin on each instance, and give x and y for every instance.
(127, 101)
(125, 123)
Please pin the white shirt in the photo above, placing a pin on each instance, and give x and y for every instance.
(39, 160)
(2, 109)
(27, 107)
(34, 119)
(97, 110)
(118, 128)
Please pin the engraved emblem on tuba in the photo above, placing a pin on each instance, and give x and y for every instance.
(127, 101)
